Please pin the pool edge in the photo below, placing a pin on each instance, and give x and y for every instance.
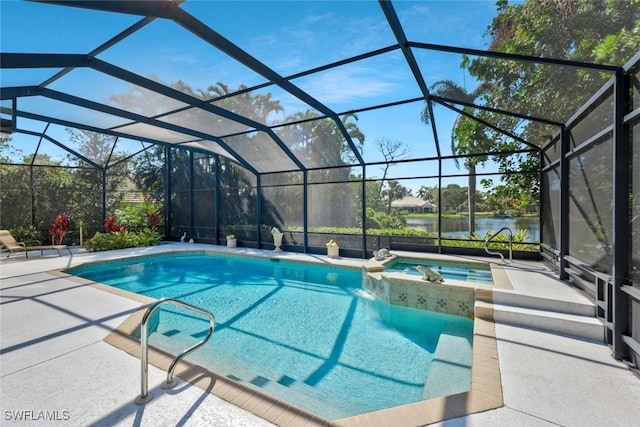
(485, 391)
(250, 399)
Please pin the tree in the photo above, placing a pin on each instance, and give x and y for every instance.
(617, 48)
(392, 150)
(468, 136)
(83, 198)
(148, 173)
(261, 108)
(428, 193)
(42, 189)
(21, 203)
(237, 186)
(573, 30)
(373, 202)
(453, 196)
(606, 32)
(586, 31)
(319, 143)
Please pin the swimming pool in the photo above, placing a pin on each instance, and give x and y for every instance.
(466, 272)
(307, 334)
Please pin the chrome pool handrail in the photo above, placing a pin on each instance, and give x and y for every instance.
(145, 396)
(486, 244)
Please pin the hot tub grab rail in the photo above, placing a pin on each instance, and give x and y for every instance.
(486, 244)
(170, 382)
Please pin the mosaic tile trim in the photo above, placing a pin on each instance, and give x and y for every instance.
(441, 298)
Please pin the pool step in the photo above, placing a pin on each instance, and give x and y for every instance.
(244, 371)
(560, 317)
(503, 297)
(450, 371)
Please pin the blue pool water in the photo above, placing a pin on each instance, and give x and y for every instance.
(307, 334)
(477, 273)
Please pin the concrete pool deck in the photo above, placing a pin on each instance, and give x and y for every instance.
(55, 364)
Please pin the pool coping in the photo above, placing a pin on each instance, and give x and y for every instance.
(485, 392)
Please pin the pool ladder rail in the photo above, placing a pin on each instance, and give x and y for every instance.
(486, 244)
(170, 382)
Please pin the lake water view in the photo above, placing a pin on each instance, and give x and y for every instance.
(459, 226)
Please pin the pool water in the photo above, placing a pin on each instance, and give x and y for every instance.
(307, 334)
(477, 273)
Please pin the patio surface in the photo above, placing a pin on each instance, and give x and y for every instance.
(55, 367)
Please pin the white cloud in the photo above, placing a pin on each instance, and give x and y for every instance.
(415, 11)
(181, 58)
(345, 85)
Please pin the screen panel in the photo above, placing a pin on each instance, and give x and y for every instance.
(590, 206)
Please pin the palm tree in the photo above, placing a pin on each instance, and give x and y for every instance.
(396, 191)
(319, 141)
(234, 180)
(467, 135)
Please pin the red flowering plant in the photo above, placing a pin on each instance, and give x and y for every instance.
(153, 219)
(59, 228)
(111, 226)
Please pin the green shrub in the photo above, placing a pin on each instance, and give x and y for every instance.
(122, 240)
(395, 220)
(501, 241)
(27, 234)
(148, 237)
(136, 217)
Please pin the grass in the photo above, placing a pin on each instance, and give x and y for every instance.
(465, 215)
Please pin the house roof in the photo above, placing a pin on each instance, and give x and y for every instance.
(412, 202)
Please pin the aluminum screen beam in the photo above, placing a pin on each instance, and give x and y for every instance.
(215, 39)
(154, 8)
(441, 100)
(516, 57)
(172, 11)
(124, 34)
(42, 60)
(83, 126)
(396, 27)
(12, 93)
(81, 102)
(621, 169)
(490, 125)
(153, 86)
(62, 146)
(19, 92)
(27, 60)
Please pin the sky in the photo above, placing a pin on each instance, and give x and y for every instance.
(288, 37)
